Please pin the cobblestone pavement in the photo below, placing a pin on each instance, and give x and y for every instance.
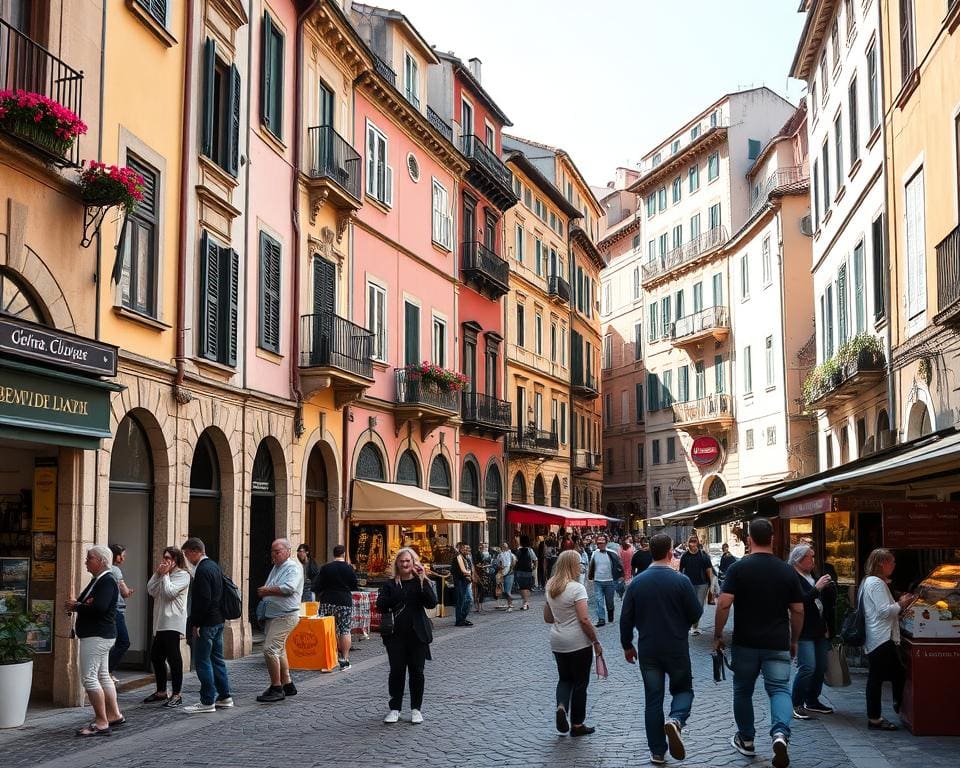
(489, 702)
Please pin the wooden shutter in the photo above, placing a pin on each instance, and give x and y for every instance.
(209, 77)
(411, 338)
(269, 321)
(231, 286)
(266, 73)
(324, 287)
(233, 139)
(158, 9)
(209, 314)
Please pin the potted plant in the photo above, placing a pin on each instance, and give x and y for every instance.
(16, 669)
(435, 377)
(103, 185)
(40, 120)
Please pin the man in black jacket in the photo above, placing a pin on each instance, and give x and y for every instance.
(206, 628)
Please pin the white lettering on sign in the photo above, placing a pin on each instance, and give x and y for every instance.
(27, 340)
(31, 399)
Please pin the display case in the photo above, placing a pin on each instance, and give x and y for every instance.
(840, 546)
(936, 611)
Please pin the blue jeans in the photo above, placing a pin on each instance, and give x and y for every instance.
(811, 667)
(748, 663)
(208, 659)
(464, 597)
(603, 597)
(508, 588)
(654, 669)
(123, 641)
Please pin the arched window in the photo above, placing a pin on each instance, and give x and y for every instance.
(555, 492)
(130, 459)
(408, 469)
(518, 489)
(370, 464)
(263, 481)
(539, 491)
(16, 300)
(717, 489)
(494, 489)
(469, 484)
(440, 476)
(205, 471)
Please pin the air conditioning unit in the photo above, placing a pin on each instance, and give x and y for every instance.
(806, 226)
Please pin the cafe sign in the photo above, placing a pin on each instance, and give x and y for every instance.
(48, 345)
(705, 451)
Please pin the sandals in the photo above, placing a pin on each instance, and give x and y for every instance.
(883, 725)
(92, 730)
(156, 696)
(117, 723)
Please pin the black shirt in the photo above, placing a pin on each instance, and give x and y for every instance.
(726, 560)
(640, 561)
(814, 625)
(99, 617)
(206, 593)
(334, 583)
(763, 587)
(694, 566)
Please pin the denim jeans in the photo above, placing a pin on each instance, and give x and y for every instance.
(701, 592)
(654, 669)
(748, 664)
(603, 597)
(811, 667)
(211, 670)
(464, 596)
(508, 588)
(123, 641)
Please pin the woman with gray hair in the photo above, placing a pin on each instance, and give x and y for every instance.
(814, 642)
(96, 626)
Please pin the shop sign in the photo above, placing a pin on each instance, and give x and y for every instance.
(705, 451)
(807, 506)
(59, 348)
(921, 525)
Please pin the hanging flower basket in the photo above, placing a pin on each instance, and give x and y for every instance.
(40, 120)
(104, 186)
(434, 376)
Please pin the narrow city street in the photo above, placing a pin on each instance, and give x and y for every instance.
(488, 703)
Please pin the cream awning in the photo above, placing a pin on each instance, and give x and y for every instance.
(396, 503)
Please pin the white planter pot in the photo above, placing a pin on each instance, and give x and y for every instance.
(15, 682)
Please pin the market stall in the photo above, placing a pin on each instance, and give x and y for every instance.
(537, 514)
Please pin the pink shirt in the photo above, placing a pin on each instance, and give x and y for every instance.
(626, 555)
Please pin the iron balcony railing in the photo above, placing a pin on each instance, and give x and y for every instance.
(868, 364)
(476, 150)
(557, 286)
(585, 460)
(482, 264)
(27, 66)
(533, 440)
(584, 380)
(684, 254)
(485, 409)
(779, 178)
(328, 340)
(439, 123)
(948, 270)
(384, 70)
(704, 320)
(412, 390)
(332, 157)
(705, 409)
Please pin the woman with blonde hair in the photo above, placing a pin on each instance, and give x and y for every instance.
(406, 595)
(882, 621)
(573, 641)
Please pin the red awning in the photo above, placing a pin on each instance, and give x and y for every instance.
(540, 515)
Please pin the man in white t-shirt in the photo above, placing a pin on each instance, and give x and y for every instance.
(506, 562)
(605, 570)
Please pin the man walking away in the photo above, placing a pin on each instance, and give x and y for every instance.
(462, 568)
(769, 617)
(605, 571)
(206, 627)
(660, 605)
(333, 585)
(506, 563)
(280, 608)
(696, 566)
(642, 558)
(122, 645)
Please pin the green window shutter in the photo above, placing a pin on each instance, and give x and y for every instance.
(411, 334)
(266, 73)
(233, 139)
(230, 267)
(209, 315)
(209, 76)
(269, 320)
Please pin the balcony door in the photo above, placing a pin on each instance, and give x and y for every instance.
(469, 219)
(490, 231)
(324, 147)
(324, 308)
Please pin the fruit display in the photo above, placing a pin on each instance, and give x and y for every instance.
(936, 611)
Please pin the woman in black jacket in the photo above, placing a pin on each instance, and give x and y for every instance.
(408, 647)
(96, 626)
(814, 641)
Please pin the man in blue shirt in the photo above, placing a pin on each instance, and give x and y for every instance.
(280, 608)
(661, 604)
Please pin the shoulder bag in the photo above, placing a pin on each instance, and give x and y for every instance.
(388, 622)
(853, 632)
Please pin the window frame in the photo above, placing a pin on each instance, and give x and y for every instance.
(270, 292)
(441, 231)
(379, 185)
(271, 81)
(144, 216)
(377, 326)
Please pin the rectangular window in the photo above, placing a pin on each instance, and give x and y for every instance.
(271, 78)
(607, 410)
(744, 277)
(667, 397)
(748, 439)
(220, 134)
(842, 315)
(747, 371)
(411, 83)
(662, 241)
(824, 78)
(859, 291)
(521, 331)
(915, 232)
(873, 88)
(694, 227)
(553, 342)
(607, 351)
(677, 236)
(666, 314)
(695, 132)
(528, 198)
(825, 152)
(219, 301)
(521, 237)
(828, 322)
(835, 42)
(678, 307)
(718, 375)
(563, 422)
(655, 452)
(693, 178)
(624, 407)
(540, 209)
(440, 342)
(714, 119)
(771, 435)
(714, 216)
(677, 189)
(377, 320)
(268, 327)
(907, 42)
(653, 330)
(538, 333)
(653, 392)
(640, 456)
(411, 333)
(563, 347)
(651, 204)
(652, 252)
(638, 404)
(442, 232)
(538, 256)
(697, 297)
(379, 174)
(138, 276)
(637, 341)
(656, 160)
(854, 122)
(816, 195)
(713, 166)
(718, 289)
(753, 148)
(879, 269)
(838, 147)
(700, 380)
(765, 260)
(683, 383)
(671, 450)
(768, 355)
(814, 101)
(675, 146)
(662, 198)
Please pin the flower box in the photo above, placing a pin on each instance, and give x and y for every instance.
(40, 120)
(103, 185)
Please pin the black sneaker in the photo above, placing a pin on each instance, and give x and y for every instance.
(800, 713)
(581, 730)
(289, 689)
(600, 623)
(271, 694)
(610, 617)
(742, 746)
(345, 665)
(671, 729)
(562, 723)
(780, 757)
(819, 707)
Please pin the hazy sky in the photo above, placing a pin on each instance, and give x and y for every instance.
(606, 79)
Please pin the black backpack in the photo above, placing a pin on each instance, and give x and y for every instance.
(853, 632)
(231, 602)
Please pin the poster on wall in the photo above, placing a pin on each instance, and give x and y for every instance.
(44, 547)
(14, 584)
(368, 549)
(40, 632)
(45, 498)
(43, 570)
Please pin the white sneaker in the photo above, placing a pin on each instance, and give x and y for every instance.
(224, 703)
(198, 708)
(416, 716)
(393, 716)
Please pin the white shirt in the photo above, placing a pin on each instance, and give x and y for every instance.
(566, 634)
(505, 560)
(169, 593)
(881, 613)
(602, 568)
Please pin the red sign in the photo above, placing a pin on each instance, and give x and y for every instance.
(807, 506)
(705, 451)
(921, 525)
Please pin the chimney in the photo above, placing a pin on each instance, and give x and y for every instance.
(474, 65)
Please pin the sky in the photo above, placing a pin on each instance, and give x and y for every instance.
(607, 79)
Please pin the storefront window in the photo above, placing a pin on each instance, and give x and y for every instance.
(801, 529)
(840, 546)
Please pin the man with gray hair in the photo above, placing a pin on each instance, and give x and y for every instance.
(279, 609)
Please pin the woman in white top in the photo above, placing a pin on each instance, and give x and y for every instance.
(573, 641)
(168, 587)
(882, 620)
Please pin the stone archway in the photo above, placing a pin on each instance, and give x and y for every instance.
(539, 491)
(919, 422)
(518, 489)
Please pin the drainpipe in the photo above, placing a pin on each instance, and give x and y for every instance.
(783, 321)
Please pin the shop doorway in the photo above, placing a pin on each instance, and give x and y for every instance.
(539, 491)
(470, 494)
(263, 525)
(494, 504)
(315, 524)
(204, 518)
(131, 526)
(518, 489)
(555, 492)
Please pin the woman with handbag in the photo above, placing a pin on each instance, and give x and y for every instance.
(406, 630)
(881, 615)
(814, 642)
(573, 641)
(168, 587)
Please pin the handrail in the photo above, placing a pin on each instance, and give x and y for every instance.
(333, 157)
(439, 123)
(474, 148)
(476, 257)
(334, 341)
(684, 254)
(485, 409)
(384, 70)
(704, 409)
(948, 270)
(557, 286)
(778, 178)
(412, 389)
(704, 320)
